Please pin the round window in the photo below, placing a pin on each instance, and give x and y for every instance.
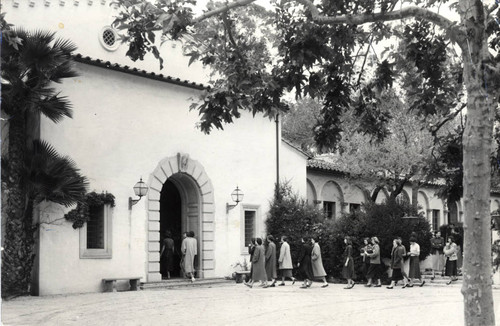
(109, 38)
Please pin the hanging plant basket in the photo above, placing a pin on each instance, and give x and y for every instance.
(81, 213)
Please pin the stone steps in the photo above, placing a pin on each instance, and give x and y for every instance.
(183, 283)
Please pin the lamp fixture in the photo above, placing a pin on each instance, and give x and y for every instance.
(236, 196)
(140, 189)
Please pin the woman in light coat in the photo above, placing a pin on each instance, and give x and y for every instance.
(285, 261)
(450, 251)
(317, 262)
(259, 264)
(189, 249)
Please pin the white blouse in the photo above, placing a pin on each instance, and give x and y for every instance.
(414, 249)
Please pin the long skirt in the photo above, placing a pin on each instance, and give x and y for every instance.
(365, 267)
(396, 275)
(286, 272)
(305, 269)
(348, 271)
(451, 267)
(437, 262)
(374, 271)
(414, 267)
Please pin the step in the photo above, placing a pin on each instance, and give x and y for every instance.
(181, 283)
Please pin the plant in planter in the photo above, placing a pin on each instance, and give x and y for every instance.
(241, 271)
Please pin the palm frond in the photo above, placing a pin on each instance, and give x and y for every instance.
(51, 177)
(64, 70)
(55, 108)
(67, 47)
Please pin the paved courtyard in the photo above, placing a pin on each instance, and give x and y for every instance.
(235, 304)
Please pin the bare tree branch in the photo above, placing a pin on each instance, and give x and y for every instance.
(492, 8)
(408, 12)
(222, 9)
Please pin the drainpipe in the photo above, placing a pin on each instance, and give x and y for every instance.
(277, 151)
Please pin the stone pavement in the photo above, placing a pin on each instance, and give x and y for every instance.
(236, 304)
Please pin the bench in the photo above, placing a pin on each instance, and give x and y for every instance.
(108, 284)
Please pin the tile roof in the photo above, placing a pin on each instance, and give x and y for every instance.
(320, 164)
(137, 72)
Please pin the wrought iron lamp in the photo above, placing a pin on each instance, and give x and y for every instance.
(236, 196)
(140, 189)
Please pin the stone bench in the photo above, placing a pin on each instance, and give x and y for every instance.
(108, 284)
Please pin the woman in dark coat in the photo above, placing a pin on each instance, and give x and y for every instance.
(304, 263)
(375, 269)
(271, 260)
(397, 254)
(251, 249)
(450, 251)
(348, 268)
(167, 252)
(367, 249)
(258, 264)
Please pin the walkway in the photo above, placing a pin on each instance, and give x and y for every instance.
(235, 304)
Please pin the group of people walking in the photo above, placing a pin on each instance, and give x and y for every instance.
(310, 264)
(264, 267)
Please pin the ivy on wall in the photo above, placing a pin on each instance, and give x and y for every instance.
(81, 213)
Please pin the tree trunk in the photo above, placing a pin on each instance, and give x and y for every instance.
(17, 256)
(414, 194)
(477, 283)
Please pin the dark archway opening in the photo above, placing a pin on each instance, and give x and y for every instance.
(171, 220)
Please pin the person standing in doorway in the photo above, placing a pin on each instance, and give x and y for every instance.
(285, 261)
(271, 260)
(437, 245)
(375, 268)
(189, 252)
(167, 251)
(304, 263)
(348, 267)
(317, 262)
(183, 244)
(414, 254)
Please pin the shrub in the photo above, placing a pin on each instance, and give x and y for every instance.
(291, 216)
(382, 220)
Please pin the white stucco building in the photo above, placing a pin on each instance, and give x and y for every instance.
(132, 121)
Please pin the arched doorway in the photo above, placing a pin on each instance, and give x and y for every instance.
(179, 213)
(180, 196)
(171, 221)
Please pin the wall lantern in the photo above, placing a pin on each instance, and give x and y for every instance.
(236, 196)
(140, 189)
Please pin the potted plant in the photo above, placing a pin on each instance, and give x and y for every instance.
(241, 273)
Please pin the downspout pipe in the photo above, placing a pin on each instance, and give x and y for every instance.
(277, 151)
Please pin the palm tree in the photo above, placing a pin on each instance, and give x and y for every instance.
(30, 62)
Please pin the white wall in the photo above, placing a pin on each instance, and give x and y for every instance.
(293, 169)
(122, 127)
(82, 22)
